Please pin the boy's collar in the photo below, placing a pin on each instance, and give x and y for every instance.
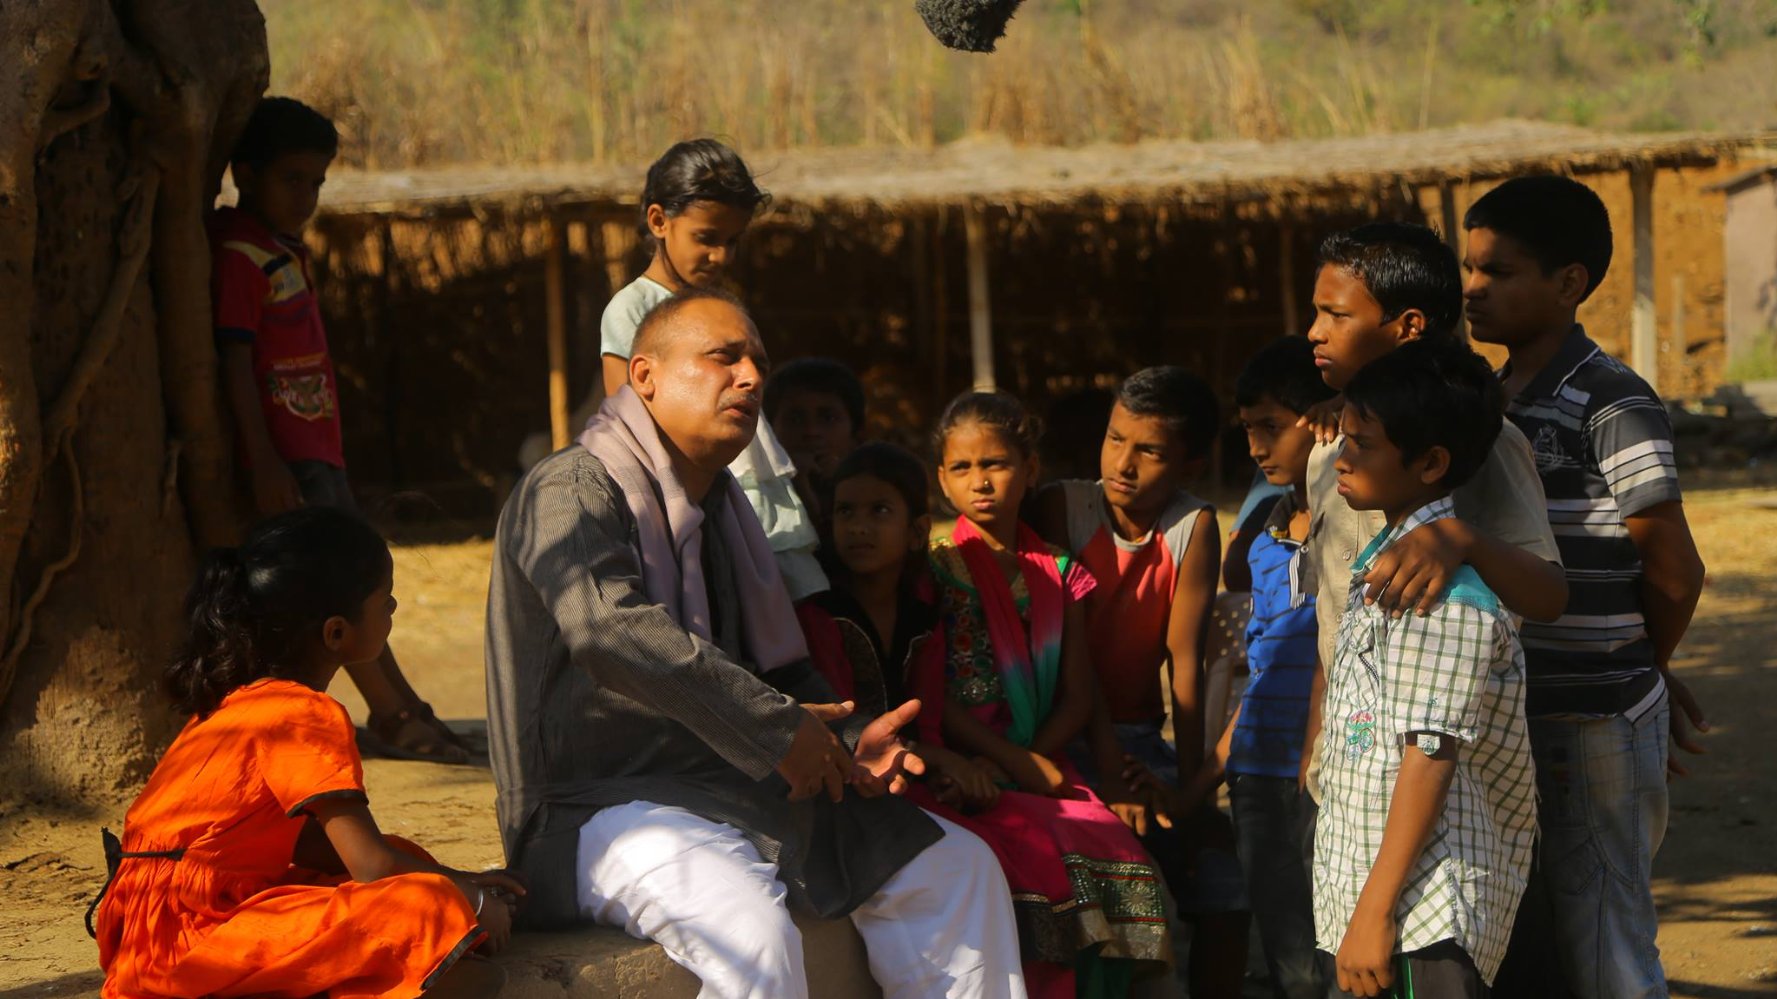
(1439, 509)
(1575, 351)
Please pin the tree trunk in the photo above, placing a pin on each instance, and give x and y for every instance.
(115, 119)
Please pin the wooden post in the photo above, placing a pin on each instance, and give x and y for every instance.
(940, 309)
(619, 238)
(1286, 266)
(1675, 329)
(980, 307)
(1644, 343)
(556, 311)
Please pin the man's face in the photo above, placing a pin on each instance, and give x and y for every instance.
(1142, 462)
(1277, 445)
(702, 386)
(285, 191)
(1349, 329)
(1506, 295)
(816, 429)
(701, 241)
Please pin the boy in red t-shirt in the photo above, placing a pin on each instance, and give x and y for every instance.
(278, 375)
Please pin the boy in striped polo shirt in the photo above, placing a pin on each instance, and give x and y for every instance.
(1428, 814)
(1600, 688)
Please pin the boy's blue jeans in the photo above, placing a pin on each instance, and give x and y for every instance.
(1274, 837)
(1602, 789)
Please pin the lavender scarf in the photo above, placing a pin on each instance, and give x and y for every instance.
(669, 526)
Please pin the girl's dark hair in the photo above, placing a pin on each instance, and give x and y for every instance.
(256, 611)
(894, 465)
(996, 410)
(699, 170)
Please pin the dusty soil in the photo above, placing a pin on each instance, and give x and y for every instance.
(1716, 875)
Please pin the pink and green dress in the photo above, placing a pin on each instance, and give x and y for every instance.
(1087, 895)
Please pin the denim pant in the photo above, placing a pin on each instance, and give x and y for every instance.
(1602, 787)
(1273, 826)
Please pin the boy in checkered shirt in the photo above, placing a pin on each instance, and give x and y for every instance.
(1428, 812)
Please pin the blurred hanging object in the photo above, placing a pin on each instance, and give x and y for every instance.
(968, 25)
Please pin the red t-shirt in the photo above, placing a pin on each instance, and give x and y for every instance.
(264, 296)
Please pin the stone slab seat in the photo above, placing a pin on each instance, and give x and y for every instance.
(598, 962)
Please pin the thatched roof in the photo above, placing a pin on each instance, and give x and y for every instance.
(997, 172)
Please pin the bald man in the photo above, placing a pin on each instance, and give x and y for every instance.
(667, 760)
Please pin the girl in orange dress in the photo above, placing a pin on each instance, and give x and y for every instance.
(250, 865)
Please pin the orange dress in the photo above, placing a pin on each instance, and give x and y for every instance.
(232, 916)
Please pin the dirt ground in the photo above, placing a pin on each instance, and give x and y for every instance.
(1716, 875)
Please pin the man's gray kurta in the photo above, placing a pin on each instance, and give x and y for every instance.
(597, 697)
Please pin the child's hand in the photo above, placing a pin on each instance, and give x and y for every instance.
(1366, 955)
(1039, 775)
(501, 880)
(1687, 721)
(495, 919)
(1323, 419)
(274, 488)
(975, 787)
(993, 771)
(1414, 572)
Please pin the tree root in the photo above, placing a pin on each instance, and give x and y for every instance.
(76, 530)
(133, 242)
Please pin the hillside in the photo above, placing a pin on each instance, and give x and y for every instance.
(507, 81)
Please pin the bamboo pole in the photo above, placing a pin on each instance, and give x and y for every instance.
(1286, 266)
(556, 311)
(980, 306)
(1644, 343)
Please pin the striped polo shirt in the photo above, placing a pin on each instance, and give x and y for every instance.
(1603, 446)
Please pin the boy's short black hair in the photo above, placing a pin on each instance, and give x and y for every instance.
(1183, 400)
(1283, 370)
(1433, 393)
(1557, 220)
(282, 125)
(1404, 266)
(816, 374)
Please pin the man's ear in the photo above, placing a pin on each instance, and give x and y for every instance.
(1433, 465)
(334, 632)
(656, 221)
(1570, 284)
(641, 375)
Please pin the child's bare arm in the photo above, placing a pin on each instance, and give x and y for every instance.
(1048, 514)
(1420, 789)
(1414, 572)
(1317, 693)
(274, 488)
(1033, 771)
(1671, 583)
(1076, 691)
(614, 371)
(1187, 631)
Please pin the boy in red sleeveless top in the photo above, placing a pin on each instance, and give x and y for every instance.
(1154, 550)
(277, 372)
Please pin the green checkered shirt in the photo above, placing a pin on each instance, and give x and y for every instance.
(1457, 672)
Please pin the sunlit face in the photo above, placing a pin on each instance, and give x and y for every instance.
(1143, 462)
(1507, 297)
(984, 475)
(1277, 445)
(284, 192)
(873, 530)
(1372, 474)
(816, 429)
(363, 640)
(703, 385)
(1349, 328)
(700, 242)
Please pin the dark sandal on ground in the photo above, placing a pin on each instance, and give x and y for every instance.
(417, 734)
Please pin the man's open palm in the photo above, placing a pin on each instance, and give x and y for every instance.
(883, 760)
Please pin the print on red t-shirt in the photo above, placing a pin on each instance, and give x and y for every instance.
(264, 297)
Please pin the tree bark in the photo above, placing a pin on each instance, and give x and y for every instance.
(115, 121)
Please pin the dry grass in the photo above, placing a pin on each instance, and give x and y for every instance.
(508, 81)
